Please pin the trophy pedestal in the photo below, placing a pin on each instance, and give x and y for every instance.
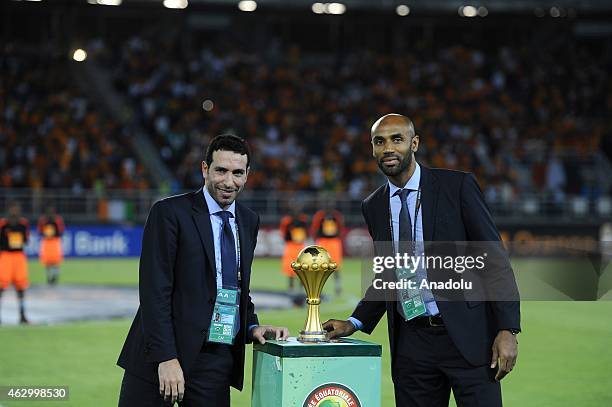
(340, 373)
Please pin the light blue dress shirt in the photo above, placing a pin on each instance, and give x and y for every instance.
(396, 206)
(217, 225)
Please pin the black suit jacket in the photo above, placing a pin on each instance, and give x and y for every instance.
(178, 287)
(453, 211)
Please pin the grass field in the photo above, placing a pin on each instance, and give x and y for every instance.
(565, 351)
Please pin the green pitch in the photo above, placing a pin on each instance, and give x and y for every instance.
(565, 352)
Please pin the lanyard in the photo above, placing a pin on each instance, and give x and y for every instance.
(417, 208)
(238, 252)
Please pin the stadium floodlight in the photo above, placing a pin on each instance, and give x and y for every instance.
(247, 5)
(109, 2)
(79, 55)
(468, 11)
(208, 105)
(555, 12)
(335, 8)
(402, 10)
(318, 8)
(176, 4)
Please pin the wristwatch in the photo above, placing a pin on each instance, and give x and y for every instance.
(512, 331)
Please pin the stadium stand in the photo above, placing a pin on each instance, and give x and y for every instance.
(520, 118)
(532, 124)
(53, 135)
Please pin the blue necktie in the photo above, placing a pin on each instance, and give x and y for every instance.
(406, 241)
(229, 267)
(406, 244)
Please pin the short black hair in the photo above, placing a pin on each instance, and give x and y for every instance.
(228, 142)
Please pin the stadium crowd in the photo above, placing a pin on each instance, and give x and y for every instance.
(54, 135)
(522, 117)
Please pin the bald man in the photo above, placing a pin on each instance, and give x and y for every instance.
(436, 345)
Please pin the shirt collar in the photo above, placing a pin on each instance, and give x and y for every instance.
(213, 206)
(413, 183)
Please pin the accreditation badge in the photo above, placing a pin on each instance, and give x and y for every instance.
(412, 305)
(223, 326)
(410, 298)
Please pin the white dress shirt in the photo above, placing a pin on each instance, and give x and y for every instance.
(395, 204)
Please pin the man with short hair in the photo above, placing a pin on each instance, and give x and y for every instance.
(187, 341)
(436, 345)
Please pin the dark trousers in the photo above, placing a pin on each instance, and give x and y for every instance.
(428, 365)
(206, 384)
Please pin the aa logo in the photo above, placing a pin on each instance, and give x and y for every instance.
(332, 395)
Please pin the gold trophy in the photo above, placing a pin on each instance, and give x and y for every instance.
(313, 266)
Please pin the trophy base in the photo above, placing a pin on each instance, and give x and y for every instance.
(313, 337)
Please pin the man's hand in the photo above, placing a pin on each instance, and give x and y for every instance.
(337, 328)
(263, 332)
(504, 348)
(171, 381)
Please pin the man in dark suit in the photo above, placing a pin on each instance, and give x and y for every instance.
(196, 246)
(466, 346)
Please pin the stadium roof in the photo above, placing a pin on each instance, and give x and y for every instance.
(435, 5)
(416, 6)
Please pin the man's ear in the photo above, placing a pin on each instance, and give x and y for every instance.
(204, 169)
(415, 143)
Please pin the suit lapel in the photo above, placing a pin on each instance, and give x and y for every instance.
(246, 256)
(201, 217)
(382, 215)
(429, 200)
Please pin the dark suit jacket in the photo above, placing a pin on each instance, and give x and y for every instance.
(178, 287)
(453, 210)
